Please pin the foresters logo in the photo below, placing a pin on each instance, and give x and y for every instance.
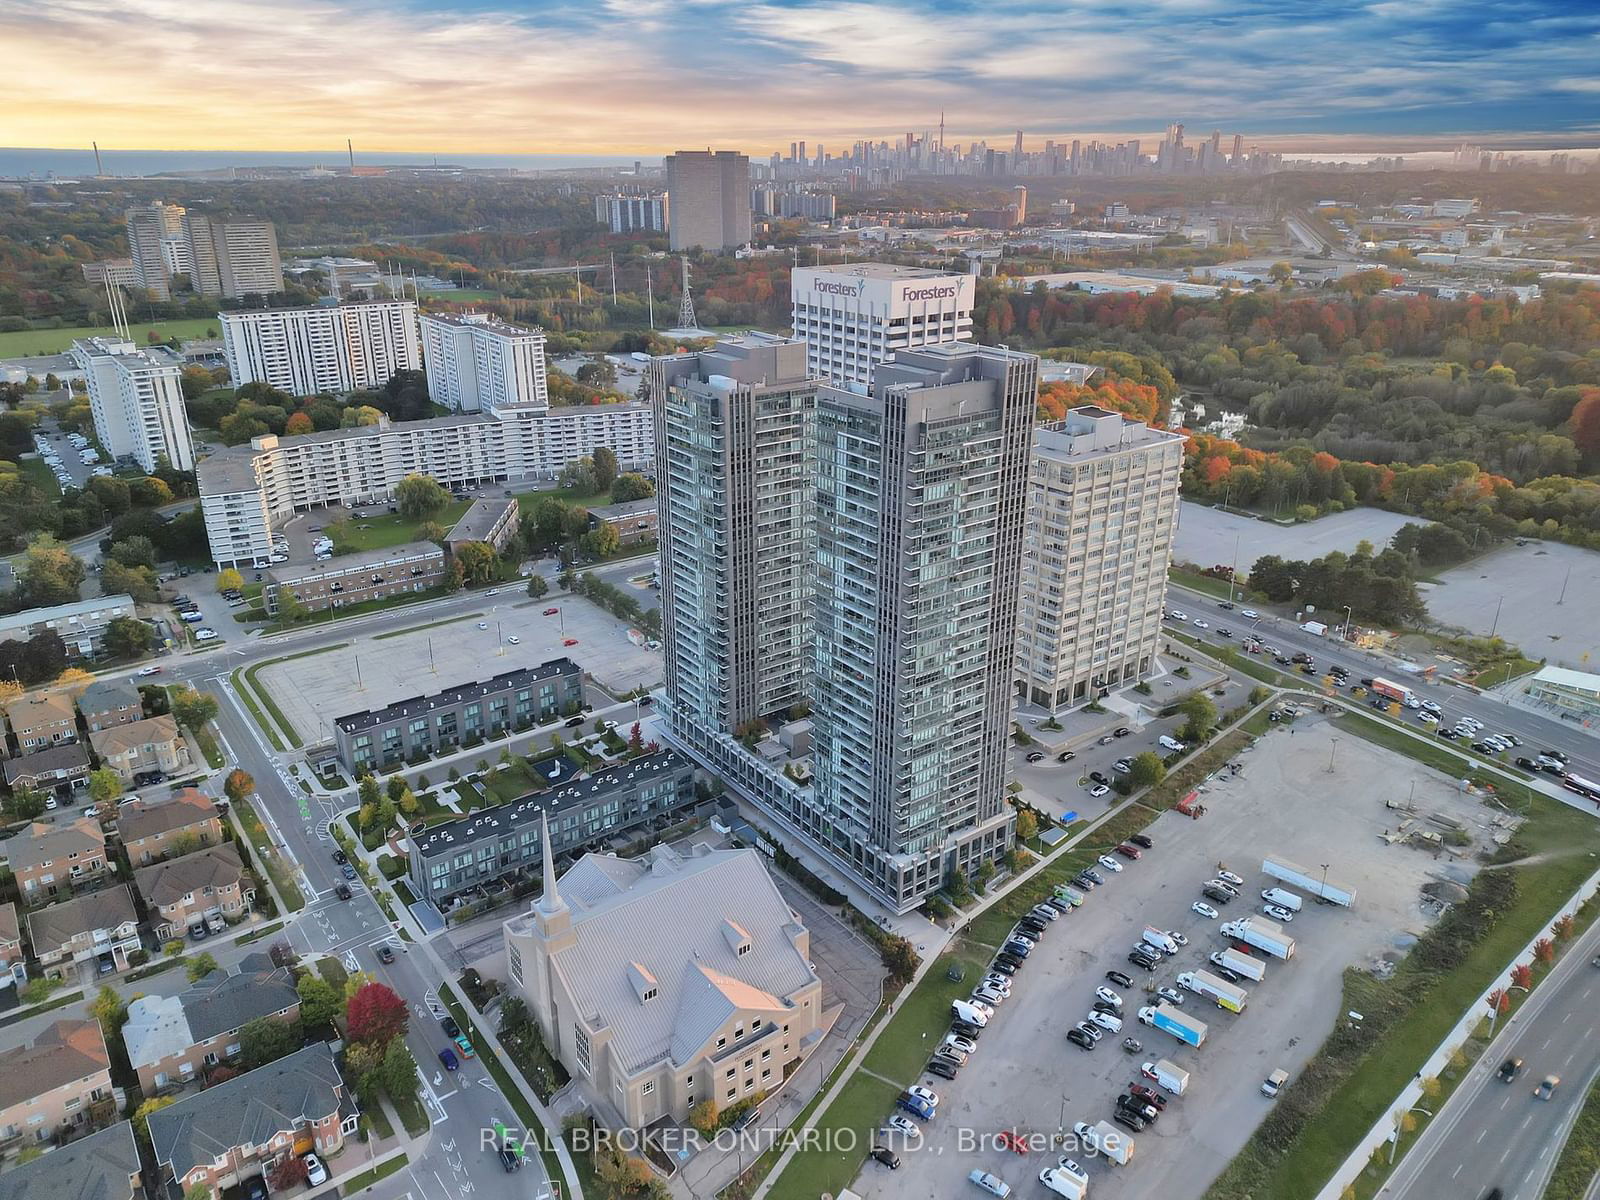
(832, 287)
(936, 292)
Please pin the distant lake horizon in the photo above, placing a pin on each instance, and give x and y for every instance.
(44, 163)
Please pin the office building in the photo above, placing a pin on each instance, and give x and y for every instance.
(325, 348)
(136, 399)
(633, 520)
(247, 491)
(710, 199)
(858, 552)
(410, 730)
(623, 213)
(476, 363)
(1102, 507)
(355, 578)
(504, 841)
(231, 257)
(665, 981)
(853, 317)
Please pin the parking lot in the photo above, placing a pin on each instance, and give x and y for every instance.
(1539, 597)
(1025, 1076)
(1209, 536)
(373, 672)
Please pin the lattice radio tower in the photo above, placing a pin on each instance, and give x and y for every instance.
(686, 306)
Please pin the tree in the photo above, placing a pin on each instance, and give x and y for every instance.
(397, 1071)
(1522, 976)
(375, 1015)
(240, 427)
(290, 610)
(703, 1117)
(26, 803)
(194, 710)
(597, 373)
(1544, 950)
(141, 1115)
(636, 740)
(109, 1009)
(133, 552)
(430, 531)
(578, 476)
(200, 966)
(266, 1040)
(1202, 717)
(50, 573)
(290, 1171)
(320, 1002)
(117, 579)
(1027, 825)
(538, 585)
(298, 423)
(1147, 769)
(229, 579)
(605, 468)
(631, 486)
(477, 561)
(358, 415)
(128, 637)
(419, 497)
(601, 542)
(368, 791)
(105, 785)
(238, 784)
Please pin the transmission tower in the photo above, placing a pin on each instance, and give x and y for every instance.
(686, 307)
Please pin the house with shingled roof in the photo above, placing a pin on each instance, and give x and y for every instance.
(55, 1085)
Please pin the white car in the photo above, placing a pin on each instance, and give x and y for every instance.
(1099, 790)
(1171, 743)
(1199, 624)
(1093, 1032)
(149, 671)
(997, 982)
(1282, 915)
(900, 1123)
(987, 995)
(1110, 863)
(514, 640)
(1068, 1167)
(1249, 614)
(1106, 1021)
(986, 1009)
(1110, 997)
(1030, 943)
(316, 1173)
(1229, 877)
(1432, 706)
(956, 1042)
(992, 1184)
(1176, 936)
(923, 1093)
(1428, 718)
(1178, 616)
(205, 635)
(1205, 910)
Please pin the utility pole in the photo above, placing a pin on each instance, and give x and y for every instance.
(613, 257)
(650, 296)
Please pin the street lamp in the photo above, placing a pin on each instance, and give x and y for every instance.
(1331, 750)
(1496, 623)
(1347, 616)
(1398, 1121)
(1494, 1009)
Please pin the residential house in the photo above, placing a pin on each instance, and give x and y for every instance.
(57, 769)
(153, 744)
(40, 719)
(108, 703)
(173, 1039)
(102, 1166)
(205, 888)
(49, 859)
(235, 1130)
(155, 829)
(57, 1083)
(101, 925)
(10, 938)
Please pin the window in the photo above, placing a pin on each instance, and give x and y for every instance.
(744, 949)
(649, 994)
(648, 1088)
(732, 1092)
(514, 963)
(580, 1045)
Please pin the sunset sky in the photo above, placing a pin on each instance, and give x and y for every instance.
(647, 76)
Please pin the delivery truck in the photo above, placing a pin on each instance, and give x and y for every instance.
(1160, 939)
(1107, 1139)
(1248, 965)
(1390, 690)
(1168, 1074)
(1313, 883)
(1262, 934)
(1176, 1022)
(1283, 899)
(1220, 992)
(1063, 1183)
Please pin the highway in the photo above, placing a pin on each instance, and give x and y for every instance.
(1493, 1134)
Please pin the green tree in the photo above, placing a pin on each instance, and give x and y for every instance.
(320, 1001)
(149, 492)
(109, 1009)
(194, 709)
(419, 497)
(229, 580)
(597, 373)
(358, 415)
(477, 561)
(703, 1117)
(26, 803)
(117, 579)
(200, 966)
(266, 1040)
(601, 542)
(105, 785)
(578, 476)
(606, 468)
(290, 610)
(1147, 769)
(538, 585)
(128, 637)
(1201, 717)
(1027, 825)
(397, 1070)
(631, 486)
(238, 784)
(239, 428)
(368, 790)
(135, 551)
(50, 573)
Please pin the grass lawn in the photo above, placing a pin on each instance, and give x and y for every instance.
(330, 615)
(1503, 672)
(513, 782)
(258, 934)
(248, 696)
(391, 529)
(411, 1114)
(333, 971)
(55, 341)
(38, 471)
(208, 746)
(1208, 584)
(268, 858)
(472, 616)
(526, 500)
(379, 1120)
(366, 1179)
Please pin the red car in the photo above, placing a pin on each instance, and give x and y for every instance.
(570, 642)
(1128, 851)
(550, 612)
(1015, 1142)
(1148, 1095)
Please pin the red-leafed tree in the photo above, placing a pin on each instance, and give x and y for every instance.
(1544, 949)
(375, 1015)
(1499, 1001)
(1522, 976)
(289, 1171)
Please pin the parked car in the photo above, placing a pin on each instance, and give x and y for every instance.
(1036, 756)
(1142, 839)
(992, 1184)
(1099, 790)
(1107, 1021)
(1205, 910)
(1281, 915)
(1130, 851)
(316, 1173)
(1110, 864)
(1108, 996)
(385, 954)
(448, 1057)
(886, 1157)
(1170, 995)
(1118, 978)
(944, 1068)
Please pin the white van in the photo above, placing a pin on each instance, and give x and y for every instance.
(1283, 899)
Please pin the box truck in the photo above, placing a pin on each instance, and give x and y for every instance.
(1107, 1139)
(1176, 1022)
(1390, 690)
(1160, 939)
(1262, 934)
(1220, 992)
(1063, 1183)
(1168, 1074)
(1283, 899)
(1314, 883)
(1248, 965)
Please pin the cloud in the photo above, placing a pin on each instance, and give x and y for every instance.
(631, 77)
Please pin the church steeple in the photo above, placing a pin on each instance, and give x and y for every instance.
(552, 910)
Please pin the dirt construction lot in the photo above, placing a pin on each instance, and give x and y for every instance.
(314, 691)
(1026, 1076)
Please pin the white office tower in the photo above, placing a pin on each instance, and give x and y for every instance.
(709, 199)
(1101, 513)
(136, 397)
(326, 348)
(478, 364)
(852, 318)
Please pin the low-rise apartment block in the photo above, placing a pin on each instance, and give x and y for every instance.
(422, 726)
(353, 578)
(231, 1132)
(41, 719)
(59, 1082)
(101, 925)
(106, 703)
(173, 1040)
(81, 624)
(203, 890)
(498, 843)
(151, 830)
(59, 769)
(50, 860)
(102, 1166)
(493, 522)
(634, 520)
(153, 744)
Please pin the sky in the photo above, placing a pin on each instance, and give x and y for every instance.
(643, 77)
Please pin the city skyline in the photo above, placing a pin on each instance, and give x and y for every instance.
(563, 80)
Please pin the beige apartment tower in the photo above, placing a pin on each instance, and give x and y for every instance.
(1102, 507)
(709, 199)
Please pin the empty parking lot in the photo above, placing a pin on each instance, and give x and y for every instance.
(1539, 597)
(1025, 1076)
(1209, 536)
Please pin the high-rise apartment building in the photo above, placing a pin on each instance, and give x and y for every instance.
(895, 518)
(476, 363)
(156, 244)
(136, 398)
(325, 348)
(625, 213)
(851, 318)
(709, 194)
(1101, 514)
(231, 257)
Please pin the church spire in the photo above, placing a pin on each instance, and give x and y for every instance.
(550, 903)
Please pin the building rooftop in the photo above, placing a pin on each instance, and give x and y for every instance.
(121, 738)
(1577, 681)
(139, 819)
(32, 709)
(392, 556)
(881, 270)
(127, 352)
(476, 320)
(161, 1026)
(42, 842)
(67, 756)
(63, 1053)
(403, 710)
(10, 930)
(101, 1166)
(104, 695)
(1093, 432)
(101, 606)
(53, 927)
(168, 882)
(478, 522)
(230, 470)
(628, 508)
(238, 314)
(448, 837)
